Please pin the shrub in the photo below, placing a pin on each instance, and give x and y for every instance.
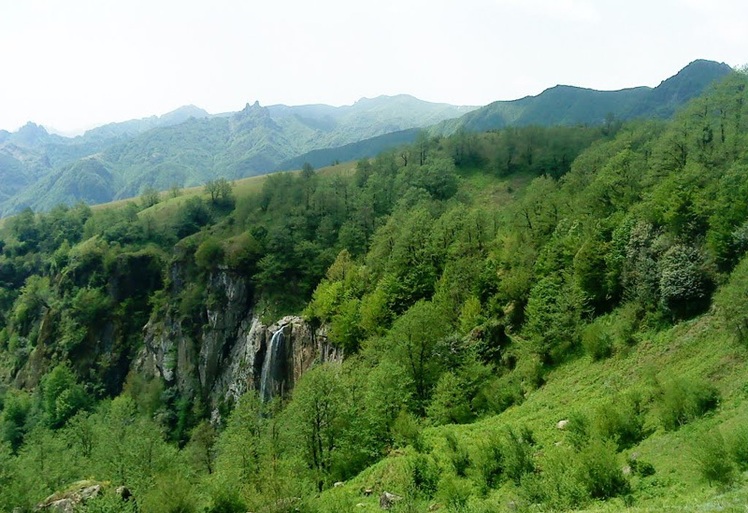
(578, 430)
(713, 460)
(597, 342)
(621, 420)
(600, 470)
(517, 455)
(489, 462)
(682, 400)
(449, 404)
(454, 493)
(406, 430)
(425, 474)
(557, 486)
(458, 455)
(737, 446)
(209, 254)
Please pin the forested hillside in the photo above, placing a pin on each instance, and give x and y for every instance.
(188, 147)
(531, 319)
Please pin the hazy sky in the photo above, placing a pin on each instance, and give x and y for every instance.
(74, 64)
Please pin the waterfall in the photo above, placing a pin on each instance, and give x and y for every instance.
(272, 366)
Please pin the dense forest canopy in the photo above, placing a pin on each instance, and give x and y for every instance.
(463, 277)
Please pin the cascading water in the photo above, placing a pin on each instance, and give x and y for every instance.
(270, 376)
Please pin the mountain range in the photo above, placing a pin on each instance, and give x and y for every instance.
(189, 146)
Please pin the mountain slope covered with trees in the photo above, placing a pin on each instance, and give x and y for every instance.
(188, 147)
(533, 318)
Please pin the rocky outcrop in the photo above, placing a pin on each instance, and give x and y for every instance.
(234, 351)
(70, 500)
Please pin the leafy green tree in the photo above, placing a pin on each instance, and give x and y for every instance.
(62, 395)
(731, 302)
(415, 337)
(553, 317)
(449, 403)
(239, 446)
(149, 197)
(221, 192)
(315, 414)
(15, 418)
(685, 285)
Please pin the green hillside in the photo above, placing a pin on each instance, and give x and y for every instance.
(186, 148)
(569, 105)
(530, 319)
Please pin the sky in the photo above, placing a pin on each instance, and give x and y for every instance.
(70, 65)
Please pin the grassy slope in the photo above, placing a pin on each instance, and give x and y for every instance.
(697, 348)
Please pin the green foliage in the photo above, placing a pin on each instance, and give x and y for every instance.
(415, 337)
(685, 286)
(62, 396)
(209, 254)
(449, 403)
(458, 455)
(713, 460)
(597, 341)
(221, 193)
(517, 454)
(601, 473)
(316, 416)
(681, 400)
(731, 302)
(621, 421)
(553, 318)
(454, 493)
(15, 419)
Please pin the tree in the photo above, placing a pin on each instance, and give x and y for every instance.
(316, 413)
(307, 171)
(149, 197)
(221, 192)
(685, 285)
(238, 446)
(62, 396)
(415, 337)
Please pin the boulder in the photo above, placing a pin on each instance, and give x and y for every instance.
(387, 500)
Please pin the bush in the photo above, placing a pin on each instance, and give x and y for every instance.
(425, 474)
(713, 460)
(406, 430)
(737, 446)
(600, 470)
(171, 494)
(578, 430)
(558, 485)
(597, 342)
(449, 404)
(209, 254)
(517, 454)
(621, 420)
(454, 493)
(682, 400)
(489, 462)
(458, 455)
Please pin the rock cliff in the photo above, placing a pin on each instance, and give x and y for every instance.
(234, 351)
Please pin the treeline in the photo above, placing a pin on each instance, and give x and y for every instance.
(454, 272)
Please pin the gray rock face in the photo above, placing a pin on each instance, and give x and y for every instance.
(234, 351)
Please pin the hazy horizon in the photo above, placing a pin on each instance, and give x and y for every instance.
(82, 64)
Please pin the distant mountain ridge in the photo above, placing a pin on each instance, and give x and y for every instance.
(189, 146)
(564, 105)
